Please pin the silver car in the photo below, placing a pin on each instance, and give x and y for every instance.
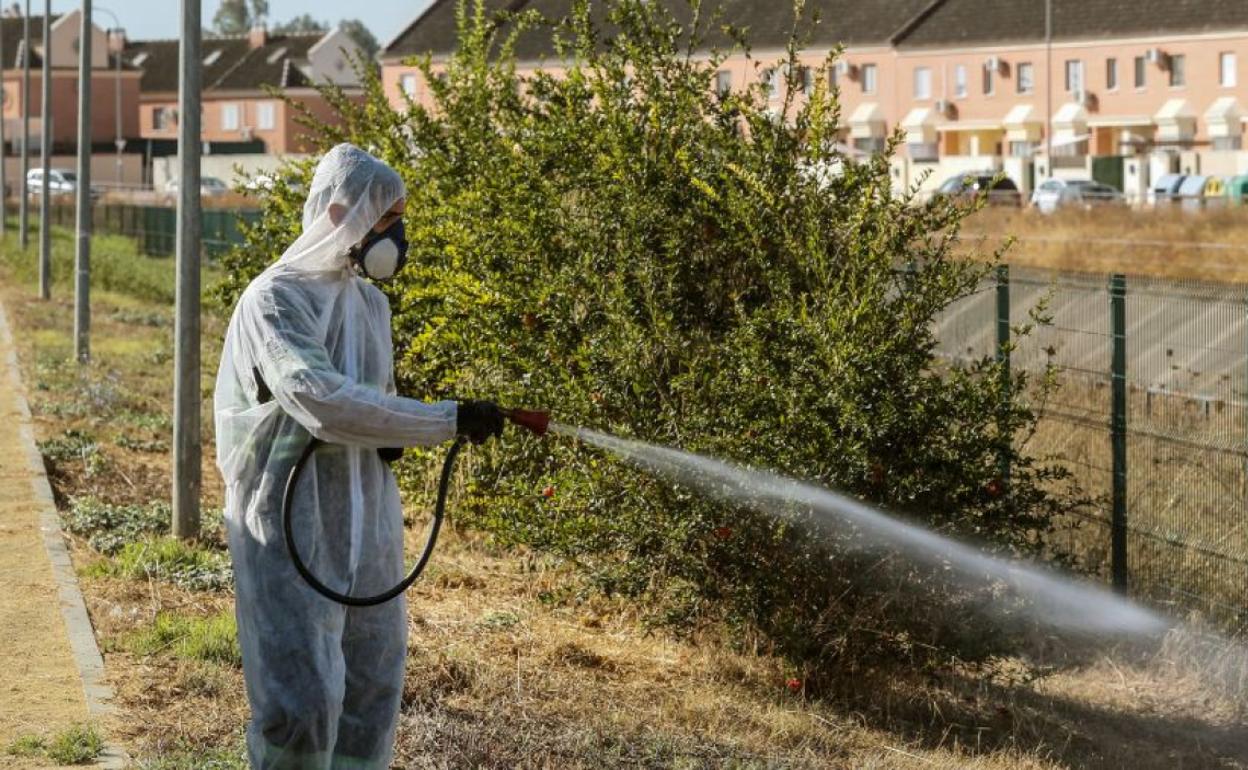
(1081, 193)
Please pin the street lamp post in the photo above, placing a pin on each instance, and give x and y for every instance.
(116, 34)
(23, 226)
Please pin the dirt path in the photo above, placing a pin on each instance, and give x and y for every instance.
(41, 682)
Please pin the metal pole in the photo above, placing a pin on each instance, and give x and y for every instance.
(45, 149)
(186, 403)
(117, 140)
(1118, 428)
(1048, 84)
(82, 259)
(1003, 351)
(4, 154)
(23, 226)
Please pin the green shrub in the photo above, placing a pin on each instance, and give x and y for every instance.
(77, 745)
(184, 564)
(641, 255)
(211, 639)
(116, 265)
(27, 746)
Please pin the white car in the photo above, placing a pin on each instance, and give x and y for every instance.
(1083, 193)
(60, 181)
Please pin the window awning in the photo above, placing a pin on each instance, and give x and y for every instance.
(920, 126)
(867, 121)
(1224, 118)
(1176, 122)
(971, 125)
(1061, 139)
(1022, 124)
(1070, 115)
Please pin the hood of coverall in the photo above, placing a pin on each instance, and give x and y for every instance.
(351, 190)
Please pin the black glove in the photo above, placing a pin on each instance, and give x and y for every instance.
(390, 455)
(478, 420)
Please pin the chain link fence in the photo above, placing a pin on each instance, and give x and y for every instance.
(1151, 417)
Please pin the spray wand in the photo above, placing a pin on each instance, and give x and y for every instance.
(533, 421)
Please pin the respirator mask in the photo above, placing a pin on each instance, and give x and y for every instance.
(381, 255)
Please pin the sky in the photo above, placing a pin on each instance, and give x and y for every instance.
(147, 19)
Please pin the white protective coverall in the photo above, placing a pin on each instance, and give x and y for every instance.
(323, 680)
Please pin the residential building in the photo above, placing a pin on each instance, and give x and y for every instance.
(114, 91)
(1123, 90)
(242, 113)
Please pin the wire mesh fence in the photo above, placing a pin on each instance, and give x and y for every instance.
(1169, 370)
(154, 228)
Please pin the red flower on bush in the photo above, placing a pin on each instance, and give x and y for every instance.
(994, 488)
(794, 685)
(723, 533)
(548, 492)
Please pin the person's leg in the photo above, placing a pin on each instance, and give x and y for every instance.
(374, 641)
(292, 655)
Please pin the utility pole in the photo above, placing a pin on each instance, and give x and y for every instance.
(1048, 84)
(186, 399)
(82, 258)
(45, 148)
(23, 226)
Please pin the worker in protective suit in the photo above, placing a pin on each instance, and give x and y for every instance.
(308, 354)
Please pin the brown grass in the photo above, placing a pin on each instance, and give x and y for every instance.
(502, 676)
(1167, 242)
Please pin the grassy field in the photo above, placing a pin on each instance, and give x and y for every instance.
(506, 668)
(1171, 243)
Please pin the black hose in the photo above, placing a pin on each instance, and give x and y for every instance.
(364, 601)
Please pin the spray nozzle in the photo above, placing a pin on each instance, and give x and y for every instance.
(537, 422)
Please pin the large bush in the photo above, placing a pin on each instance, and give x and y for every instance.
(642, 255)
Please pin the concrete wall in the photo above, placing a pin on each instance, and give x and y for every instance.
(104, 172)
(224, 167)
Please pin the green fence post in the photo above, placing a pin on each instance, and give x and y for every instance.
(1003, 350)
(1118, 428)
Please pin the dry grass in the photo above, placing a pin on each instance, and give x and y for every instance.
(503, 676)
(1170, 243)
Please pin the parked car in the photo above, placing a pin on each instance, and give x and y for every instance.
(1082, 193)
(60, 182)
(209, 187)
(1001, 190)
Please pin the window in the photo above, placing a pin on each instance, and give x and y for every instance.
(407, 84)
(989, 83)
(922, 83)
(870, 144)
(266, 116)
(868, 78)
(806, 79)
(1228, 143)
(1227, 74)
(1074, 75)
(1026, 78)
(1022, 149)
(164, 118)
(1111, 74)
(723, 82)
(924, 152)
(1140, 66)
(959, 81)
(1178, 71)
(229, 117)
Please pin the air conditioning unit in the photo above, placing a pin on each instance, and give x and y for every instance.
(1155, 56)
(845, 70)
(943, 106)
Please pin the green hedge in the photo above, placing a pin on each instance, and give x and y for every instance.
(624, 246)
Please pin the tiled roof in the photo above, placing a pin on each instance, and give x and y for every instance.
(236, 66)
(961, 22)
(11, 29)
(767, 25)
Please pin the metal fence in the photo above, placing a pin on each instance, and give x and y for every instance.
(1151, 417)
(154, 228)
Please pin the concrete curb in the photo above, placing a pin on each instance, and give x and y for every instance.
(73, 609)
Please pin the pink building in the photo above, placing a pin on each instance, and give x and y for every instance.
(1125, 91)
